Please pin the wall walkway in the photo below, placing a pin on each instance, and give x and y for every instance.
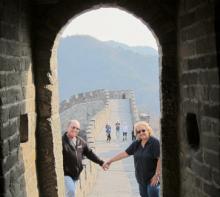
(119, 180)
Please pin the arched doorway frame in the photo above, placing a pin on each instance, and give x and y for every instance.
(47, 25)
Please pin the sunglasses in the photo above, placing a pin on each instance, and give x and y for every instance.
(143, 131)
(76, 128)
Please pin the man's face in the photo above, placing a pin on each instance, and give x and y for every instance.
(73, 129)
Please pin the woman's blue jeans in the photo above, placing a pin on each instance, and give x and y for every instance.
(146, 190)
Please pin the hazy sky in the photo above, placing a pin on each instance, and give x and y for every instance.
(111, 24)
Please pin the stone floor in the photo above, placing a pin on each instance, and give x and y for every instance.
(119, 180)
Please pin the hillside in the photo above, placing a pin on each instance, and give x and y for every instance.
(86, 64)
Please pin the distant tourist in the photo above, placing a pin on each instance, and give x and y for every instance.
(108, 130)
(74, 148)
(146, 152)
(133, 137)
(117, 129)
(125, 132)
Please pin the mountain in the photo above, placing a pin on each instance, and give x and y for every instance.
(142, 50)
(86, 64)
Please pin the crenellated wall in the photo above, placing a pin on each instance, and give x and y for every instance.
(84, 98)
(84, 106)
(96, 104)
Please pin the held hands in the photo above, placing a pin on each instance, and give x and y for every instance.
(106, 165)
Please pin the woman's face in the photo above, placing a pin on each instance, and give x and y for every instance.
(142, 132)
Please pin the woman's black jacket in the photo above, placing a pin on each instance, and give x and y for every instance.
(73, 155)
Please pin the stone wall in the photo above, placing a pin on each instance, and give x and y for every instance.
(84, 98)
(82, 112)
(199, 104)
(96, 103)
(188, 34)
(18, 174)
(84, 105)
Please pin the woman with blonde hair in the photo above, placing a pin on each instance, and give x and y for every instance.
(146, 152)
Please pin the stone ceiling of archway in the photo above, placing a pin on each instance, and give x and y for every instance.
(51, 15)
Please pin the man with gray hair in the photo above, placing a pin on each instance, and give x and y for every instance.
(74, 148)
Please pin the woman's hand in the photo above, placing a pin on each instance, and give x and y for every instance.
(154, 180)
(106, 165)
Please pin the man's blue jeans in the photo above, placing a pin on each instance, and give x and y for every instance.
(70, 186)
(146, 190)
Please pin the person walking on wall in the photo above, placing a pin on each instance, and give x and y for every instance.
(125, 132)
(117, 129)
(74, 148)
(146, 152)
(108, 132)
(133, 137)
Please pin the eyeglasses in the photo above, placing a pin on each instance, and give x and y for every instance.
(76, 128)
(143, 131)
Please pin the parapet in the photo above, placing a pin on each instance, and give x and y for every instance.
(85, 97)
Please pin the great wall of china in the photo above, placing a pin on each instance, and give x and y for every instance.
(92, 109)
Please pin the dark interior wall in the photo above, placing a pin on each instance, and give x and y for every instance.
(17, 101)
(199, 82)
(187, 31)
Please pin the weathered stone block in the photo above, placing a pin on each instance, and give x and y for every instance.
(201, 170)
(4, 111)
(8, 32)
(214, 94)
(207, 61)
(212, 159)
(14, 95)
(206, 45)
(8, 129)
(13, 79)
(14, 111)
(14, 142)
(205, 11)
(189, 78)
(10, 161)
(192, 4)
(211, 111)
(4, 151)
(4, 182)
(216, 177)
(211, 190)
(187, 19)
(210, 142)
(12, 49)
(206, 125)
(216, 127)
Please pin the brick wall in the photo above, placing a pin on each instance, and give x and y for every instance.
(17, 102)
(190, 121)
(199, 104)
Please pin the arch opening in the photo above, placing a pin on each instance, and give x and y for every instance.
(143, 50)
(168, 83)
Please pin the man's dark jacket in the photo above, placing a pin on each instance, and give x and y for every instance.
(73, 155)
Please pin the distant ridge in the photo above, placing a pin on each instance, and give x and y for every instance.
(86, 64)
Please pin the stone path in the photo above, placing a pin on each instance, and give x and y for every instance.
(119, 180)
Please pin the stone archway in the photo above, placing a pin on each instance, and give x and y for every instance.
(48, 21)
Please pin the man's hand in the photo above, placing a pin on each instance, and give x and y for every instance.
(106, 165)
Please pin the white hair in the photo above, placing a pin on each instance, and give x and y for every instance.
(73, 121)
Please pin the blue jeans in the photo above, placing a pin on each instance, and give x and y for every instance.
(70, 186)
(147, 190)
